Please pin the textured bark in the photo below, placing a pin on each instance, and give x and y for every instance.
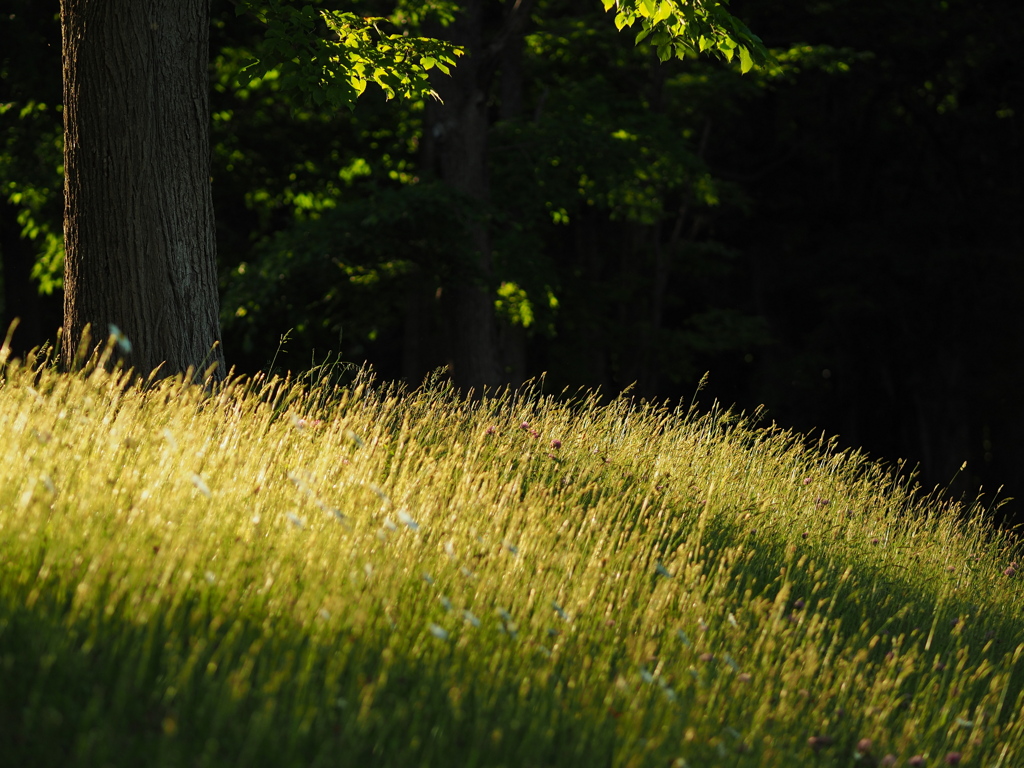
(139, 225)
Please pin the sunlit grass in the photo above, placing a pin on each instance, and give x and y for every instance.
(275, 574)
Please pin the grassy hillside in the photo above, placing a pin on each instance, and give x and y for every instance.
(290, 575)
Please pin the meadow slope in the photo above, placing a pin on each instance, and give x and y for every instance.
(295, 573)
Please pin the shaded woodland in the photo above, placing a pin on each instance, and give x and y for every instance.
(837, 237)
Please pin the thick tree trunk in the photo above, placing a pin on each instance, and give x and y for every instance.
(139, 226)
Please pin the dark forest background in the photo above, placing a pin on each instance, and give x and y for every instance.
(838, 237)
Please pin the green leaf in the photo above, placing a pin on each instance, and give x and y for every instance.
(427, 62)
(746, 63)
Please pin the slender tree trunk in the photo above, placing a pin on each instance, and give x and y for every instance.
(456, 136)
(455, 149)
(139, 226)
(512, 338)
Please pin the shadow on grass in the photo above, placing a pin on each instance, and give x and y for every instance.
(197, 686)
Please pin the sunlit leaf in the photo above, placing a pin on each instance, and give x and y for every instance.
(746, 63)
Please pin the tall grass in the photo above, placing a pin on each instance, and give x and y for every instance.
(293, 574)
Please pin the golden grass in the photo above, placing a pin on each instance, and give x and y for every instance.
(283, 574)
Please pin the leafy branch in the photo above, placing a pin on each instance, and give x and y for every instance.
(332, 56)
(680, 27)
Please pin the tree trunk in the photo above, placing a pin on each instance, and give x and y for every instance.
(456, 148)
(512, 338)
(139, 225)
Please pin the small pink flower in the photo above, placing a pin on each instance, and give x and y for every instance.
(490, 430)
(1010, 569)
(888, 760)
(807, 480)
(707, 657)
(524, 426)
(864, 746)
(556, 444)
(953, 758)
(916, 761)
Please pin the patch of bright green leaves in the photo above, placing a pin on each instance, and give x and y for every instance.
(331, 56)
(677, 29)
(513, 303)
